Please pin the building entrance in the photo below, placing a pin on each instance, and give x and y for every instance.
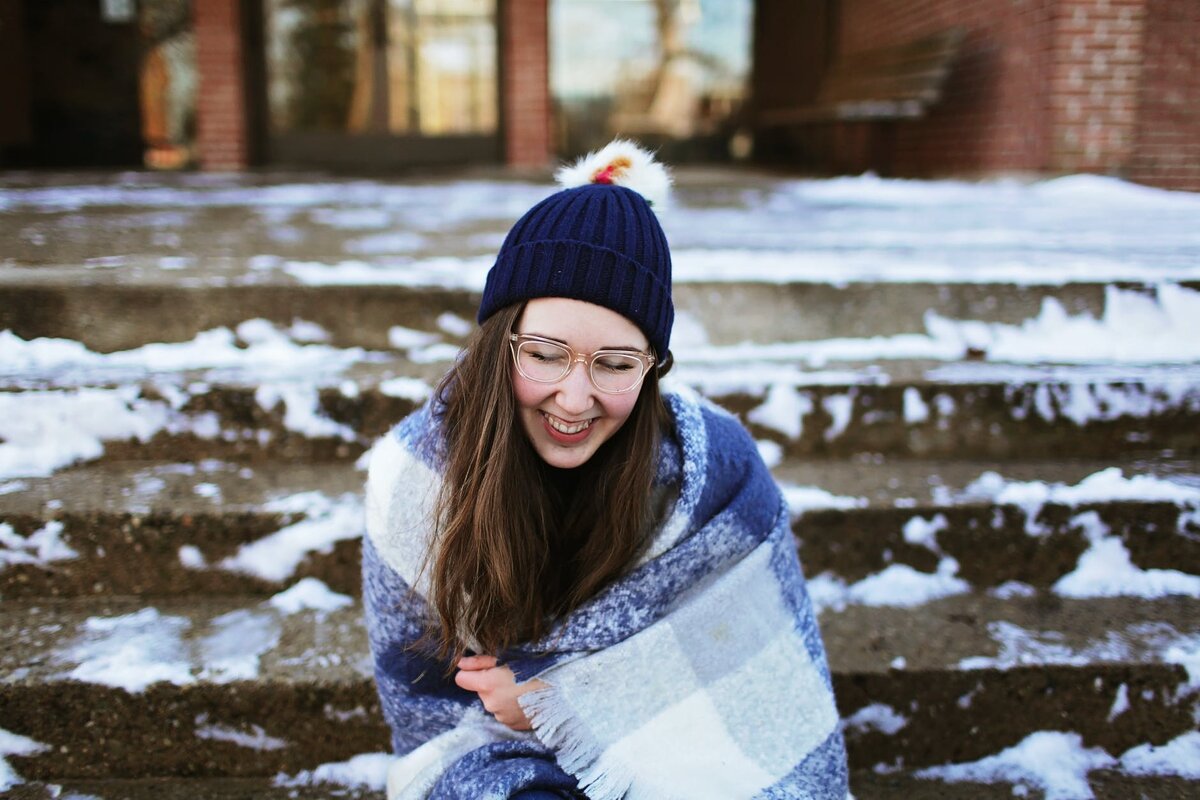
(380, 83)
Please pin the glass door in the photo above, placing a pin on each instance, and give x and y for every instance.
(381, 82)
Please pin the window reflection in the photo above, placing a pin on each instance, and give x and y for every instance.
(658, 70)
(166, 81)
(423, 67)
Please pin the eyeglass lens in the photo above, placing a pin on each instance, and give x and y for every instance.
(546, 362)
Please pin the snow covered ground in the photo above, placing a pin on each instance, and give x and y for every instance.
(66, 401)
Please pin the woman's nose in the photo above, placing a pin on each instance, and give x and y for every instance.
(575, 390)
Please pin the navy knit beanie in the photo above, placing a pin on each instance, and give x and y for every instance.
(599, 242)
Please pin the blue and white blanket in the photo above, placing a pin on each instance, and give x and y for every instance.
(699, 674)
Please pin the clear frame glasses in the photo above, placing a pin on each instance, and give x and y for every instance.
(547, 361)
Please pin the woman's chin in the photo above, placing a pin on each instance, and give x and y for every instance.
(564, 457)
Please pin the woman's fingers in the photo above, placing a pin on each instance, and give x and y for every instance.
(497, 689)
(476, 662)
(472, 680)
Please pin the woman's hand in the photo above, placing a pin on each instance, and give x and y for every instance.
(497, 688)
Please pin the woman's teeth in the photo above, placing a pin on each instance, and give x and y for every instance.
(563, 427)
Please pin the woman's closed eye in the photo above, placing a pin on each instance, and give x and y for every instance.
(617, 364)
(545, 357)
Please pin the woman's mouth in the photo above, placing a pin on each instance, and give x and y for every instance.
(567, 432)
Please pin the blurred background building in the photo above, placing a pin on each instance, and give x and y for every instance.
(1029, 87)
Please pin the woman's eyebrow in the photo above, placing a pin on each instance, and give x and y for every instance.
(628, 347)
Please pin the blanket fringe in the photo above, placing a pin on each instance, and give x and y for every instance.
(559, 729)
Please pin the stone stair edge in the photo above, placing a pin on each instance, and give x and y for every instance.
(1003, 547)
(998, 420)
(866, 785)
(973, 633)
(361, 315)
(916, 484)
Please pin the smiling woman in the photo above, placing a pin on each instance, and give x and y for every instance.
(575, 584)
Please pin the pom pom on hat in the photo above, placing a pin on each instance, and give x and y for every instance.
(620, 163)
(598, 240)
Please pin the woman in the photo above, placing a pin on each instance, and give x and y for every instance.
(576, 585)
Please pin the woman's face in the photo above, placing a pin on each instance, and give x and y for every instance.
(552, 413)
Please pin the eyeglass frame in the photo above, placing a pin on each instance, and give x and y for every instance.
(647, 360)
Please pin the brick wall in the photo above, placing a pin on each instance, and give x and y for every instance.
(222, 132)
(1166, 149)
(1094, 81)
(1051, 86)
(994, 113)
(16, 126)
(525, 82)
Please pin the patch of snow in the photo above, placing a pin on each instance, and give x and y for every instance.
(783, 410)
(1057, 763)
(1179, 757)
(1020, 647)
(770, 452)
(1106, 570)
(384, 243)
(305, 332)
(1106, 486)
(801, 499)
(255, 344)
(352, 218)
(1012, 589)
(130, 651)
(255, 739)
(309, 593)
(368, 770)
(827, 592)
(439, 351)
(301, 410)
(262, 263)
(875, 717)
(12, 744)
(901, 585)
(208, 490)
(454, 273)
(759, 377)
(687, 331)
(923, 532)
(39, 548)
(235, 642)
(840, 408)
(1134, 329)
(1120, 703)
(175, 262)
(883, 263)
(327, 521)
(454, 324)
(405, 387)
(191, 557)
(1185, 651)
(403, 338)
(42, 431)
(915, 408)
(8, 487)
(945, 405)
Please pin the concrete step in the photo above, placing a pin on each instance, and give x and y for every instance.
(34, 304)
(865, 784)
(220, 527)
(139, 227)
(866, 480)
(997, 416)
(1104, 785)
(950, 681)
(184, 788)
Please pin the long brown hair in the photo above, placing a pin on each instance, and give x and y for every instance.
(514, 549)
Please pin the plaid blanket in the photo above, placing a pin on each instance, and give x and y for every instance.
(700, 674)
